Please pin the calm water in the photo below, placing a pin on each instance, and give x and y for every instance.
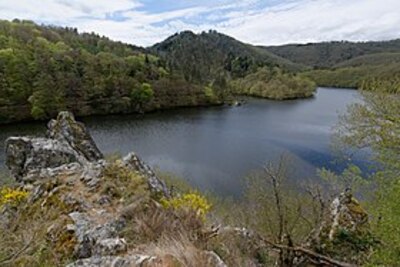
(213, 148)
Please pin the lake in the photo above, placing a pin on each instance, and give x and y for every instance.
(214, 148)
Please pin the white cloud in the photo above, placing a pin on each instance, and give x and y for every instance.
(251, 21)
(320, 20)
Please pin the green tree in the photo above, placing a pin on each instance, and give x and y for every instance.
(375, 124)
(142, 93)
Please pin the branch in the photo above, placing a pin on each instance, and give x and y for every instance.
(312, 254)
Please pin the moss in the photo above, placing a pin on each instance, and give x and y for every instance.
(121, 182)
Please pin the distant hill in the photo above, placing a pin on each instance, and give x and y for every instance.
(371, 60)
(204, 56)
(344, 64)
(330, 54)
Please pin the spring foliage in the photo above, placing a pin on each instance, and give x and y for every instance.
(375, 124)
(274, 84)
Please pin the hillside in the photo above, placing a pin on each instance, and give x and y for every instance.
(329, 54)
(371, 60)
(45, 69)
(210, 55)
(227, 66)
(344, 64)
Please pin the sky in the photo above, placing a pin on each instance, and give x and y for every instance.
(260, 22)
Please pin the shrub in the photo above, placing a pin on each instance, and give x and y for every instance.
(12, 196)
(191, 201)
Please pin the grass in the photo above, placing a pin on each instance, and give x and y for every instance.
(173, 230)
(33, 232)
(5, 178)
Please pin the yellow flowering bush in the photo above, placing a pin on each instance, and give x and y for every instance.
(191, 201)
(12, 196)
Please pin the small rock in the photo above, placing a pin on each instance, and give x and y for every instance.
(110, 246)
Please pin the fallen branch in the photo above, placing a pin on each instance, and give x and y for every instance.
(313, 256)
(321, 258)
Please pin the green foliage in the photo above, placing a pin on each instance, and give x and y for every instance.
(203, 57)
(351, 178)
(344, 64)
(375, 124)
(120, 182)
(274, 84)
(386, 211)
(353, 77)
(143, 93)
(329, 54)
(209, 93)
(46, 69)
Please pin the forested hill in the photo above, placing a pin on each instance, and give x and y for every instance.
(46, 69)
(207, 55)
(329, 54)
(345, 64)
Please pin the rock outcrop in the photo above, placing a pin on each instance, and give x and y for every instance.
(65, 129)
(66, 169)
(346, 214)
(67, 142)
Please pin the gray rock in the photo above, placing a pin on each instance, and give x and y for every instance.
(110, 246)
(346, 213)
(112, 261)
(65, 128)
(92, 172)
(133, 162)
(25, 155)
(95, 238)
(68, 142)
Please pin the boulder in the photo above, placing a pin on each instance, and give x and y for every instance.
(97, 234)
(66, 129)
(25, 155)
(68, 142)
